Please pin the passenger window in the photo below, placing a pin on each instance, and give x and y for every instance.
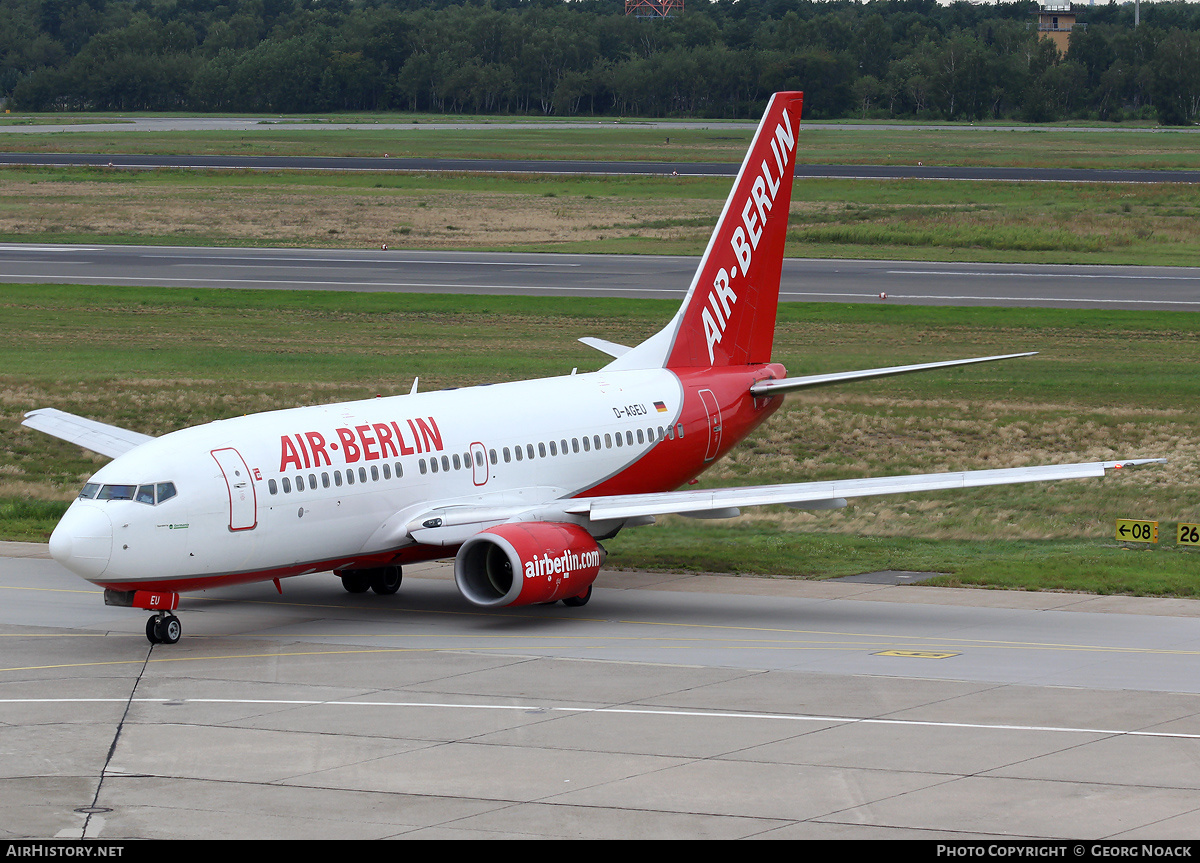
(574, 444)
(287, 485)
(312, 481)
(529, 450)
(446, 462)
(520, 454)
(620, 442)
(596, 442)
(349, 476)
(433, 465)
(272, 486)
(374, 474)
(421, 466)
(457, 465)
(607, 441)
(387, 471)
(507, 455)
(541, 449)
(324, 479)
(399, 469)
(679, 430)
(553, 449)
(641, 439)
(479, 457)
(299, 483)
(587, 445)
(629, 437)
(337, 478)
(562, 446)
(362, 474)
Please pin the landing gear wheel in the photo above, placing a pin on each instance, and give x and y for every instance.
(386, 580)
(578, 601)
(163, 629)
(355, 580)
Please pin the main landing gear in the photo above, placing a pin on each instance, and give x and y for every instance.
(163, 628)
(384, 580)
(580, 600)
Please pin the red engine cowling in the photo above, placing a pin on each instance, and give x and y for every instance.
(527, 563)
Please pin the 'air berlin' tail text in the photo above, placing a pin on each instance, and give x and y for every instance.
(728, 317)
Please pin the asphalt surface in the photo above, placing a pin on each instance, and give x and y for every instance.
(575, 167)
(803, 280)
(669, 707)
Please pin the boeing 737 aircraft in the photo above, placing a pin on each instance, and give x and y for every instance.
(518, 482)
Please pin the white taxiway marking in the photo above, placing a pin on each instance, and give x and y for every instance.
(982, 298)
(1135, 278)
(16, 277)
(542, 708)
(251, 262)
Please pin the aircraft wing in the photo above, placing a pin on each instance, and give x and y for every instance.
(787, 385)
(724, 502)
(111, 441)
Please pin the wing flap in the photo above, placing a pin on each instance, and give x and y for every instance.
(108, 440)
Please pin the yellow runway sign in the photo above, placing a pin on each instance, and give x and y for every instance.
(1135, 530)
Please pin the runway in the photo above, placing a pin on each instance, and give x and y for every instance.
(671, 706)
(803, 280)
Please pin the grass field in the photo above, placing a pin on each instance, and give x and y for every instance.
(921, 220)
(1108, 384)
(605, 140)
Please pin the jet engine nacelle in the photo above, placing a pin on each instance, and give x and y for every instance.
(526, 563)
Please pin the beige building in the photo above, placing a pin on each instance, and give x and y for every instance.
(1055, 21)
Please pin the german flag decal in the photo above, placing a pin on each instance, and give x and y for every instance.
(662, 408)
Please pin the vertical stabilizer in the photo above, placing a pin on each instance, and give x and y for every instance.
(728, 316)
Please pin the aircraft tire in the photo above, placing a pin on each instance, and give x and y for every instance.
(151, 634)
(578, 601)
(355, 580)
(168, 629)
(386, 580)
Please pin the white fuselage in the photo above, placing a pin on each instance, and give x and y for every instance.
(300, 490)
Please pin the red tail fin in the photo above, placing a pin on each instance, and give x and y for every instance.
(728, 317)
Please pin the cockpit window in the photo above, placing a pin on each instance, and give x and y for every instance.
(149, 494)
(117, 492)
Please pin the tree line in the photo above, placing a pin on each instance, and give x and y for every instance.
(880, 59)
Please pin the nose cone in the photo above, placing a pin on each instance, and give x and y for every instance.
(82, 542)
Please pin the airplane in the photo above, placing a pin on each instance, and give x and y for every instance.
(518, 482)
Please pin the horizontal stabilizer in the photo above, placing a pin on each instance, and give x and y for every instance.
(787, 385)
(605, 347)
(111, 441)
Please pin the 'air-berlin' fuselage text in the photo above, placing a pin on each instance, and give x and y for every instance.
(366, 442)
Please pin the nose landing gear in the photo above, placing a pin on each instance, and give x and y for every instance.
(163, 628)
